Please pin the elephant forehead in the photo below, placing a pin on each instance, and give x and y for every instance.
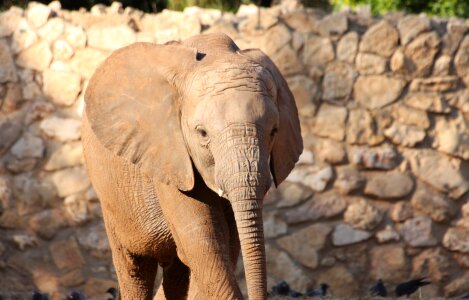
(220, 78)
(235, 106)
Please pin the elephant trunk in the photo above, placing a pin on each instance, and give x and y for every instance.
(248, 216)
(244, 176)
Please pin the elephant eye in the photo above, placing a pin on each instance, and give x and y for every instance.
(202, 132)
(203, 135)
(273, 132)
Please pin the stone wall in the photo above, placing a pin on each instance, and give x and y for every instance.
(380, 190)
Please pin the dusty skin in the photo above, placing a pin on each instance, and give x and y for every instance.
(181, 142)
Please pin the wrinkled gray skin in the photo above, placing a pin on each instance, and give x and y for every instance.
(181, 142)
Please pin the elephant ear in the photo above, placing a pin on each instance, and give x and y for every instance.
(288, 143)
(132, 106)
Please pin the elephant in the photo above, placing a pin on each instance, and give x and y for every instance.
(181, 143)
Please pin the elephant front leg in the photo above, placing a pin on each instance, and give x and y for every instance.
(135, 273)
(202, 241)
(175, 283)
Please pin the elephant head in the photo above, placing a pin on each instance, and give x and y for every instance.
(208, 104)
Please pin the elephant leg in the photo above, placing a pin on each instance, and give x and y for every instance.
(200, 231)
(135, 273)
(175, 283)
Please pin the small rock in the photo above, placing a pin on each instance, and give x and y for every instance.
(362, 215)
(401, 211)
(368, 64)
(52, 30)
(318, 51)
(362, 128)
(61, 129)
(405, 135)
(16, 165)
(303, 244)
(411, 26)
(410, 116)
(327, 261)
(347, 47)
(388, 262)
(96, 286)
(37, 57)
(315, 177)
(292, 194)
(334, 24)
(9, 21)
(421, 53)
(110, 38)
(306, 158)
(341, 281)
(346, 235)
(377, 91)
(383, 157)
(388, 234)
(7, 64)
(461, 60)
(12, 98)
(62, 50)
(324, 205)
(93, 239)
(273, 225)
(70, 181)
(442, 66)
(275, 38)
(438, 171)
(435, 205)
(381, 39)
(173, 25)
(66, 254)
(38, 13)
(62, 87)
(68, 155)
(75, 36)
(300, 21)
(462, 259)
(23, 241)
(207, 17)
(287, 61)
(305, 92)
(28, 146)
(330, 122)
(431, 102)
(389, 185)
(11, 126)
(465, 210)
(399, 63)
(47, 223)
(31, 91)
(349, 180)
(76, 207)
(280, 265)
(85, 61)
(72, 278)
(458, 286)
(38, 111)
(434, 84)
(24, 37)
(457, 239)
(338, 81)
(452, 136)
(417, 232)
(455, 32)
(432, 263)
(329, 151)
